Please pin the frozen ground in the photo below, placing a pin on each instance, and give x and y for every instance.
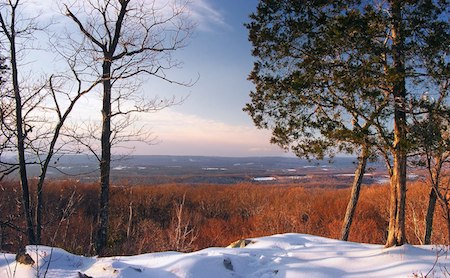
(285, 255)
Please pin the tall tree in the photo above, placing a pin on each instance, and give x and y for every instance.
(12, 32)
(121, 40)
(331, 75)
(396, 231)
(30, 129)
(420, 33)
(431, 142)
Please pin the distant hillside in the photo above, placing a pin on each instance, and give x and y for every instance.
(204, 169)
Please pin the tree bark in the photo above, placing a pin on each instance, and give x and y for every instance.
(105, 163)
(20, 136)
(435, 180)
(44, 168)
(429, 217)
(51, 152)
(396, 233)
(354, 196)
(448, 224)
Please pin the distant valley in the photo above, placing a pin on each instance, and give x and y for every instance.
(150, 170)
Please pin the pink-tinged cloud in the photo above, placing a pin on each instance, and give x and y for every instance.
(183, 134)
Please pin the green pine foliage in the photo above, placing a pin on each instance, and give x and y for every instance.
(334, 76)
(324, 70)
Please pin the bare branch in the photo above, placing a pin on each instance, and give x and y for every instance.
(84, 31)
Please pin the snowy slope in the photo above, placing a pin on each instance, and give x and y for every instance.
(285, 255)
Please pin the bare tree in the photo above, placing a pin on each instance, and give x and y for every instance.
(183, 231)
(40, 112)
(120, 41)
(12, 30)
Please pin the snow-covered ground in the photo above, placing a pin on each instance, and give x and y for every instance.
(285, 255)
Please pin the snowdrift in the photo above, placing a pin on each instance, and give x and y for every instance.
(284, 255)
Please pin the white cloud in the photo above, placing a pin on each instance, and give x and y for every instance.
(171, 123)
(206, 15)
(200, 11)
(189, 134)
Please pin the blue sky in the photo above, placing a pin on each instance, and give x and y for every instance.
(211, 120)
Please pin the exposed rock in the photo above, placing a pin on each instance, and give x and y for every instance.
(227, 263)
(23, 258)
(240, 243)
(82, 275)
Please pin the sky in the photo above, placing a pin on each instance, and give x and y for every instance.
(210, 121)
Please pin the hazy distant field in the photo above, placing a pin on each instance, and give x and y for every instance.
(213, 170)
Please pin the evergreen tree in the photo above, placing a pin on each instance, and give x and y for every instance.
(335, 76)
(430, 140)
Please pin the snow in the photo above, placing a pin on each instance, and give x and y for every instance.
(295, 177)
(412, 176)
(284, 255)
(264, 179)
(352, 175)
(214, 169)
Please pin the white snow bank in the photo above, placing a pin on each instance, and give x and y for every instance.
(285, 255)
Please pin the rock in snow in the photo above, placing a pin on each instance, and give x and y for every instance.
(284, 255)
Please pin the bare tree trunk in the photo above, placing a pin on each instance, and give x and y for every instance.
(130, 219)
(51, 151)
(396, 233)
(105, 163)
(184, 234)
(354, 197)
(430, 216)
(448, 224)
(11, 35)
(23, 167)
(435, 181)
